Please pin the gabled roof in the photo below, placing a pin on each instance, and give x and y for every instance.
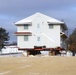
(34, 16)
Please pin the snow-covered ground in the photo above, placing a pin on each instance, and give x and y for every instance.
(10, 49)
(13, 51)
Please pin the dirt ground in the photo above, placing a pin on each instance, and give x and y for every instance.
(55, 65)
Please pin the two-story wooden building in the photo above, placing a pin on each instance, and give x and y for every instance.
(40, 30)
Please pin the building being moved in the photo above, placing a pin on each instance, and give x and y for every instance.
(40, 32)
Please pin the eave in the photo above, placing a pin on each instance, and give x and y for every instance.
(59, 23)
(22, 33)
(22, 22)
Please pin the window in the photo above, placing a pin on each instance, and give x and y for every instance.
(25, 26)
(26, 38)
(38, 38)
(51, 26)
(38, 25)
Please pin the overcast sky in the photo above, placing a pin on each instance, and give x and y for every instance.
(15, 10)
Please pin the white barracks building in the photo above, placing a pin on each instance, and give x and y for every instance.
(40, 30)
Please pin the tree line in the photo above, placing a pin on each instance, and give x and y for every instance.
(4, 37)
(71, 41)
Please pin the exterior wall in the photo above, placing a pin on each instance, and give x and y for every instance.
(25, 44)
(48, 37)
(21, 28)
(51, 37)
(63, 30)
(63, 42)
(39, 28)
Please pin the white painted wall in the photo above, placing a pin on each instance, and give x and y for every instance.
(21, 28)
(48, 37)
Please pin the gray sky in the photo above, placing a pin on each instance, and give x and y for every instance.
(14, 10)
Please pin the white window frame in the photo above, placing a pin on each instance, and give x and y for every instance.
(38, 26)
(26, 38)
(51, 26)
(38, 38)
(25, 26)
